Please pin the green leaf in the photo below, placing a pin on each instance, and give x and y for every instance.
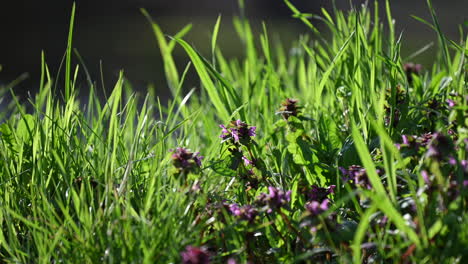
(206, 80)
(367, 162)
(327, 73)
(68, 91)
(225, 167)
(25, 127)
(214, 36)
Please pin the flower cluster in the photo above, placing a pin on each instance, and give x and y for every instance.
(400, 94)
(439, 147)
(289, 108)
(320, 193)
(246, 212)
(275, 199)
(316, 208)
(237, 132)
(358, 175)
(415, 142)
(454, 185)
(186, 161)
(319, 202)
(195, 255)
(410, 69)
(238, 137)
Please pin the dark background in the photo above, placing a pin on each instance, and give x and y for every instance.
(116, 33)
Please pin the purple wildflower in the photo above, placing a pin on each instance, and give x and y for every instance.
(439, 147)
(382, 221)
(451, 103)
(289, 108)
(316, 208)
(196, 187)
(358, 175)
(410, 69)
(320, 193)
(275, 199)
(195, 255)
(246, 212)
(185, 160)
(247, 161)
(425, 139)
(452, 161)
(405, 139)
(225, 133)
(410, 141)
(400, 94)
(238, 131)
(414, 142)
(464, 165)
(433, 104)
(426, 177)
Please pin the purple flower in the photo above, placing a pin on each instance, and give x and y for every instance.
(400, 95)
(426, 177)
(408, 141)
(247, 161)
(382, 221)
(433, 104)
(289, 108)
(358, 175)
(196, 187)
(452, 161)
(464, 165)
(320, 193)
(451, 103)
(198, 158)
(316, 208)
(405, 139)
(238, 131)
(225, 133)
(185, 160)
(195, 255)
(246, 212)
(439, 147)
(275, 199)
(231, 261)
(410, 69)
(425, 139)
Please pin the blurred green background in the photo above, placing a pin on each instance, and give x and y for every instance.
(117, 34)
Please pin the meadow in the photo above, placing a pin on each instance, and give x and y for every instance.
(338, 150)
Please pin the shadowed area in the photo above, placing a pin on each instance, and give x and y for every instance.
(116, 33)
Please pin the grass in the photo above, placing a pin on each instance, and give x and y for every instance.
(369, 164)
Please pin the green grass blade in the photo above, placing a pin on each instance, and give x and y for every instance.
(214, 38)
(331, 67)
(68, 88)
(301, 16)
(206, 80)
